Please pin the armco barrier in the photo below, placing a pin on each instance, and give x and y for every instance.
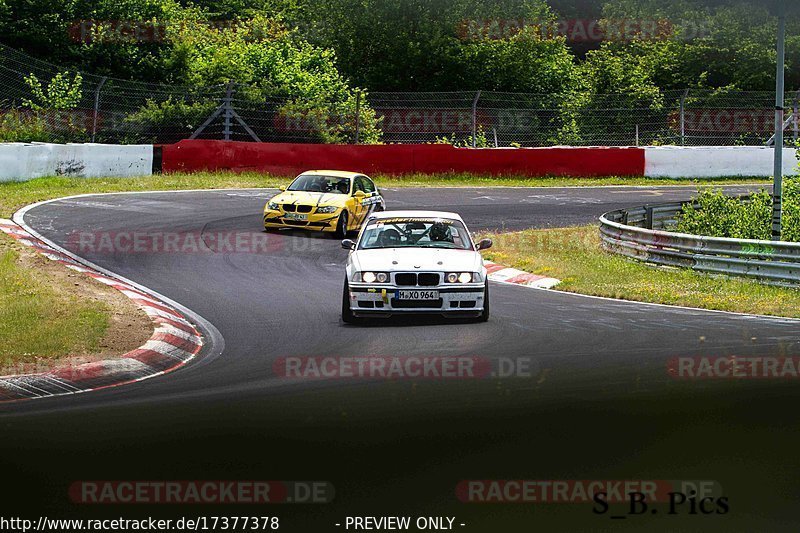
(630, 232)
(290, 159)
(24, 161)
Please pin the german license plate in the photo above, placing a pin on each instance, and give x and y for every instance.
(295, 216)
(417, 295)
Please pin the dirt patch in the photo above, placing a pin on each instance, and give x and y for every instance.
(128, 326)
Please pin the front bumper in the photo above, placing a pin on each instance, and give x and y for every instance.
(314, 221)
(456, 300)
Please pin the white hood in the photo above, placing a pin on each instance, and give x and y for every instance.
(417, 259)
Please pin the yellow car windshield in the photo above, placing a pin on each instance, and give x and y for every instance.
(326, 184)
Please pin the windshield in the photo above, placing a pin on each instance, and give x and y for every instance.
(314, 183)
(416, 233)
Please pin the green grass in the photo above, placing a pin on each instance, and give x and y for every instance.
(573, 255)
(17, 194)
(38, 320)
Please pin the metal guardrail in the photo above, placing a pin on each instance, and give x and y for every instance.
(640, 234)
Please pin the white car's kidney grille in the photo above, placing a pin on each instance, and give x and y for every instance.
(412, 279)
(427, 280)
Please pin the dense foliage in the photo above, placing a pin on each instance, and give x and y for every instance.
(717, 215)
(314, 56)
(426, 44)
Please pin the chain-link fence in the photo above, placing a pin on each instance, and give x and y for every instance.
(99, 109)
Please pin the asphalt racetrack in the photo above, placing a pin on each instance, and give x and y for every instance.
(597, 403)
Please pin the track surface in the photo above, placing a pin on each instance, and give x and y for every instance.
(600, 404)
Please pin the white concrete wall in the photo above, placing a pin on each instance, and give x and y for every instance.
(714, 161)
(23, 161)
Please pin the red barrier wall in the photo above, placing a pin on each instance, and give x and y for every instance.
(291, 159)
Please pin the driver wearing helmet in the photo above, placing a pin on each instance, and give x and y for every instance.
(440, 232)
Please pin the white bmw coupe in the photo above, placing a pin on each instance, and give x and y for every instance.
(415, 262)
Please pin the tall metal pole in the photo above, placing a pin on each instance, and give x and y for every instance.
(475, 119)
(795, 110)
(778, 146)
(683, 116)
(228, 116)
(358, 114)
(97, 105)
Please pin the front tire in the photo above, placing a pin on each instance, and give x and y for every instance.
(341, 226)
(484, 316)
(347, 313)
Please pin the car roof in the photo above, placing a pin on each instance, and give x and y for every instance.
(334, 173)
(415, 214)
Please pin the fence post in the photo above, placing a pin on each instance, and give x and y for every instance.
(358, 114)
(794, 115)
(683, 116)
(228, 116)
(475, 119)
(97, 105)
(777, 180)
(637, 135)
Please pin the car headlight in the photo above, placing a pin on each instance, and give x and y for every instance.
(460, 277)
(273, 206)
(371, 277)
(327, 209)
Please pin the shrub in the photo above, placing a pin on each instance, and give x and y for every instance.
(19, 126)
(717, 215)
(790, 218)
(169, 120)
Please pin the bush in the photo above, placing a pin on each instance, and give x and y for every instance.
(42, 126)
(169, 120)
(18, 126)
(717, 215)
(790, 219)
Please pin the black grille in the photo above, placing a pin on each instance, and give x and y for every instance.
(428, 280)
(406, 279)
(304, 208)
(410, 279)
(416, 304)
(289, 208)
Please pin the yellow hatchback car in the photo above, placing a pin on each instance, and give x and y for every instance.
(324, 200)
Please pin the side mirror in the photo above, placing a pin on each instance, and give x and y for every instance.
(348, 244)
(282, 188)
(484, 244)
(359, 194)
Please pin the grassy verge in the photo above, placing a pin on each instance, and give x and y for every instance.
(17, 194)
(38, 320)
(574, 256)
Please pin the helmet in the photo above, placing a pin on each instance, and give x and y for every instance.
(440, 232)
